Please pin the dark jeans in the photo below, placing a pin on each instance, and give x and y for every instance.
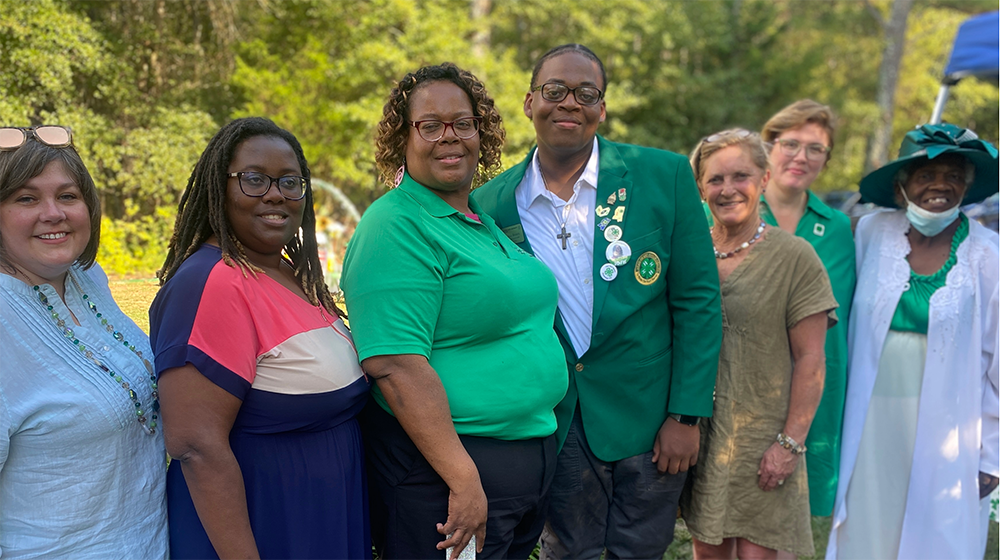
(408, 498)
(625, 507)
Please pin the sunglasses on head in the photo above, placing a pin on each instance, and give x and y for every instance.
(734, 133)
(13, 137)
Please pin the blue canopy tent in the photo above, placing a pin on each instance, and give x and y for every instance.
(976, 53)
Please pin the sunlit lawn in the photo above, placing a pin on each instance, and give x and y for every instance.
(135, 296)
(680, 549)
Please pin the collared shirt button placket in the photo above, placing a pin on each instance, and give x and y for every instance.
(542, 216)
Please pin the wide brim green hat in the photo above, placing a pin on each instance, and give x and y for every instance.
(927, 142)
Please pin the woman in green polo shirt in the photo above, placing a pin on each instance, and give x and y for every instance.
(455, 324)
(801, 140)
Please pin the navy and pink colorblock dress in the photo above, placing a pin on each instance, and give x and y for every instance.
(296, 437)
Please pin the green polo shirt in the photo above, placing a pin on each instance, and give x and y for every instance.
(422, 278)
(829, 232)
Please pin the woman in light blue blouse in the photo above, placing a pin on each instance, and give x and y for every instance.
(82, 462)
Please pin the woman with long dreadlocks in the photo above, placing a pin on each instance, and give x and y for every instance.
(258, 377)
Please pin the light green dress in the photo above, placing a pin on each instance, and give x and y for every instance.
(881, 477)
(780, 282)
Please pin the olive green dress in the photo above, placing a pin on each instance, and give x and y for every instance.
(778, 284)
(829, 233)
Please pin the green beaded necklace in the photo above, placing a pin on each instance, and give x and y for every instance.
(148, 424)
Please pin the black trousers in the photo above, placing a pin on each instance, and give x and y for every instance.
(621, 509)
(408, 498)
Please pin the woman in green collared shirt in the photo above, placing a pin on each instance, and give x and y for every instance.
(801, 138)
(455, 324)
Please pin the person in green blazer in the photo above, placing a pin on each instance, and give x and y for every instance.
(639, 311)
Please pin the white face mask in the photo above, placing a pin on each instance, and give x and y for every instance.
(927, 222)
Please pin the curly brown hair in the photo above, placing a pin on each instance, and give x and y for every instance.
(394, 129)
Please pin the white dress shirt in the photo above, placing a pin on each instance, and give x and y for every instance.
(543, 216)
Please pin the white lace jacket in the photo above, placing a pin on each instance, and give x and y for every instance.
(957, 426)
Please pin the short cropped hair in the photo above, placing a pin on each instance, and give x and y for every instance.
(567, 48)
(749, 142)
(797, 115)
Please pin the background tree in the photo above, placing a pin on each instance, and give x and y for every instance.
(894, 32)
(145, 83)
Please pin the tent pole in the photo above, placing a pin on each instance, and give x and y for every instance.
(942, 98)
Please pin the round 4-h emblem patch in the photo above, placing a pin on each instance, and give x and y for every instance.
(647, 268)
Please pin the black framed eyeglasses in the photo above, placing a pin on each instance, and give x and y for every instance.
(814, 151)
(556, 92)
(256, 184)
(433, 130)
(13, 137)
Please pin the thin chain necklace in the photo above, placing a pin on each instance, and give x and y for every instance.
(148, 424)
(564, 235)
(746, 244)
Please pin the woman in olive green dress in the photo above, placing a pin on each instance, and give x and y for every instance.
(749, 495)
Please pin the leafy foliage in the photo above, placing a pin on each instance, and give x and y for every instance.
(145, 83)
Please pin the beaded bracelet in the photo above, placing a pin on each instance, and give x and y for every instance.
(790, 444)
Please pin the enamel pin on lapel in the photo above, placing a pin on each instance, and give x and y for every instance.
(604, 223)
(612, 198)
(613, 233)
(602, 211)
(609, 272)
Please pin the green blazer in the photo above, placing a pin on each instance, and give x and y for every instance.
(658, 325)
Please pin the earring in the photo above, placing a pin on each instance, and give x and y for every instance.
(399, 174)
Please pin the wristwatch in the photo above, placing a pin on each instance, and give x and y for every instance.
(790, 444)
(686, 420)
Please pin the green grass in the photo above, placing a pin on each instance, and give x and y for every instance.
(680, 549)
(135, 296)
